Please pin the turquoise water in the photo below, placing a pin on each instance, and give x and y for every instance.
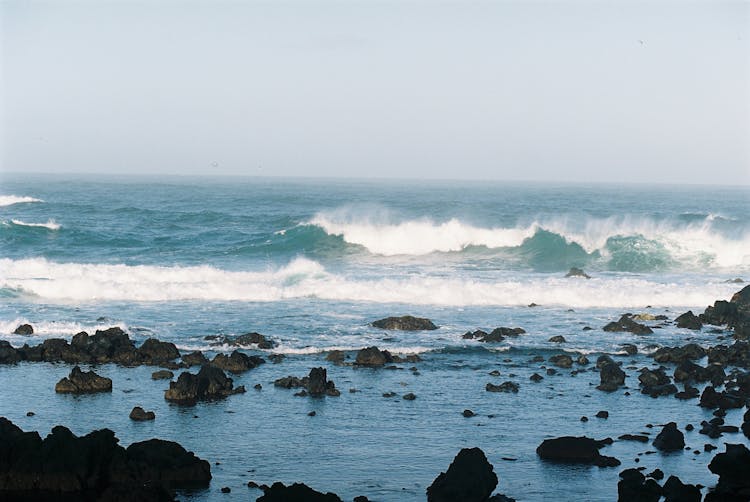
(311, 263)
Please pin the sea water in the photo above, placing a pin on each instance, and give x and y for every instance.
(311, 263)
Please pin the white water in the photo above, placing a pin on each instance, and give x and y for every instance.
(9, 200)
(303, 278)
(51, 224)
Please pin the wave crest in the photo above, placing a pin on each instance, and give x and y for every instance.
(9, 200)
(50, 225)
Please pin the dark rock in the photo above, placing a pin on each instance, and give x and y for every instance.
(650, 378)
(676, 491)
(732, 467)
(236, 362)
(154, 351)
(405, 323)
(372, 356)
(162, 375)
(577, 450)
(315, 383)
(496, 335)
(633, 486)
(611, 377)
(79, 382)
(582, 360)
(469, 478)
(8, 355)
(92, 467)
(536, 377)
(724, 400)
(689, 393)
(210, 383)
(629, 348)
(296, 492)
(690, 351)
(139, 414)
(557, 339)
(503, 387)
(602, 414)
(195, 358)
(336, 356)
(249, 339)
(410, 396)
(688, 320)
(226, 489)
(561, 360)
(626, 323)
(24, 329)
(670, 438)
(468, 413)
(634, 437)
(577, 272)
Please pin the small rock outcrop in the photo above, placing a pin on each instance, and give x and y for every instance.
(633, 485)
(209, 384)
(405, 323)
(316, 383)
(503, 387)
(80, 382)
(670, 438)
(297, 492)
(24, 329)
(236, 362)
(577, 272)
(469, 478)
(575, 450)
(688, 320)
(248, 340)
(611, 377)
(496, 335)
(626, 323)
(140, 415)
(373, 357)
(732, 467)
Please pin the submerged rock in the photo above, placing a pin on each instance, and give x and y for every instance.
(577, 272)
(79, 382)
(405, 323)
(297, 492)
(469, 478)
(503, 387)
(162, 375)
(576, 450)
(210, 383)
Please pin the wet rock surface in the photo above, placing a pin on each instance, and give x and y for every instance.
(470, 478)
(316, 383)
(405, 323)
(210, 383)
(83, 382)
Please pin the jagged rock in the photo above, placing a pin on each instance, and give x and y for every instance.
(162, 375)
(690, 351)
(8, 355)
(651, 378)
(670, 438)
(732, 467)
(577, 450)
(561, 360)
(503, 387)
(195, 358)
(688, 320)
(577, 272)
(139, 414)
(372, 356)
(154, 351)
(92, 467)
(316, 383)
(405, 323)
(496, 335)
(626, 323)
(79, 382)
(297, 492)
(210, 383)
(737, 354)
(633, 486)
(611, 377)
(469, 478)
(24, 329)
(723, 400)
(236, 362)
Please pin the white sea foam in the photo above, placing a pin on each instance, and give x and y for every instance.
(51, 224)
(46, 329)
(304, 278)
(9, 200)
(695, 244)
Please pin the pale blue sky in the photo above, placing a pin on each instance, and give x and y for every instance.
(577, 91)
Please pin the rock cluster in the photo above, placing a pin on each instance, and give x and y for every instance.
(496, 335)
(209, 384)
(93, 467)
(315, 384)
(626, 323)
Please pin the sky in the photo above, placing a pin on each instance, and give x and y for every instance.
(610, 91)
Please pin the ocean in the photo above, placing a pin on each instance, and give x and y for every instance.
(311, 263)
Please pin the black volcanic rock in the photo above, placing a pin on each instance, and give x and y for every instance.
(210, 383)
(236, 362)
(469, 478)
(688, 320)
(372, 356)
(575, 450)
(24, 329)
(626, 323)
(732, 467)
(297, 492)
(670, 438)
(577, 272)
(633, 486)
(80, 382)
(405, 323)
(93, 467)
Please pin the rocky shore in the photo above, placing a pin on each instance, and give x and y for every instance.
(94, 467)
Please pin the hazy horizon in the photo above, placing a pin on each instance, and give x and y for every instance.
(566, 91)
